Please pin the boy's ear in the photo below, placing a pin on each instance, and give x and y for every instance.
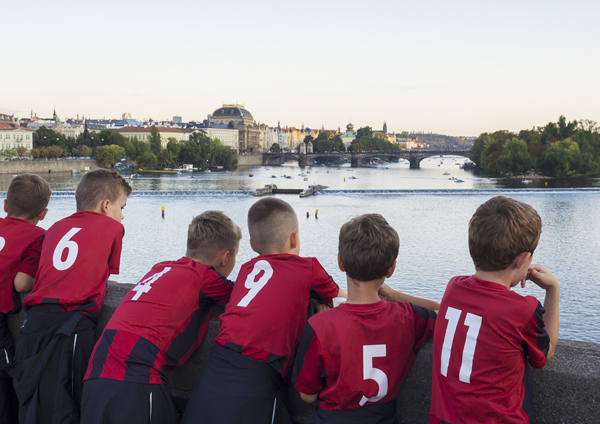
(223, 256)
(252, 246)
(391, 270)
(294, 240)
(103, 207)
(521, 259)
(340, 264)
(5, 205)
(42, 215)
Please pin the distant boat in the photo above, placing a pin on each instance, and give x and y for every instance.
(526, 181)
(251, 175)
(446, 173)
(458, 181)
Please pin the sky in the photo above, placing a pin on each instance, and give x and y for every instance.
(455, 67)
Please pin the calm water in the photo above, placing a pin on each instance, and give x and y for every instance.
(430, 212)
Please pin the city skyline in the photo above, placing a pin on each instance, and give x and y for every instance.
(456, 68)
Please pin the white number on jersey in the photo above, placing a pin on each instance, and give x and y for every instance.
(474, 323)
(68, 244)
(372, 373)
(256, 286)
(2, 243)
(144, 286)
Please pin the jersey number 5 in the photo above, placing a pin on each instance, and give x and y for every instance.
(256, 286)
(474, 323)
(69, 245)
(372, 373)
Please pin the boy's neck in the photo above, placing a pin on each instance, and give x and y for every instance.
(33, 221)
(363, 292)
(503, 277)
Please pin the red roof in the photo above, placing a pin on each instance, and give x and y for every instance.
(8, 126)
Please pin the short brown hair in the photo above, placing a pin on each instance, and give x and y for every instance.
(209, 233)
(28, 195)
(98, 185)
(501, 229)
(368, 247)
(270, 223)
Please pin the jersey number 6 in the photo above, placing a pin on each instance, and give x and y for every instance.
(66, 243)
(474, 323)
(256, 286)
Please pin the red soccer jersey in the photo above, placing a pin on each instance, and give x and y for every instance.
(364, 351)
(267, 311)
(78, 255)
(20, 249)
(483, 335)
(160, 323)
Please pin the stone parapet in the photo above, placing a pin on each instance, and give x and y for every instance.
(567, 390)
(45, 166)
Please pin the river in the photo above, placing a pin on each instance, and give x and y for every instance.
(429, 211)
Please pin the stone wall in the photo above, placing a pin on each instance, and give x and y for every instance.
(567, 390)
(249, 160)
(45, 166)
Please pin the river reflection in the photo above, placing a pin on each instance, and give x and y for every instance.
(430, 214)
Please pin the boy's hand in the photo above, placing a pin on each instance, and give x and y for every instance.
(317, 307)
(386, 293)
(541, 276)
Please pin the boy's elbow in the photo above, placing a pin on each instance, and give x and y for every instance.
(308, 398)
(23, 283)
(550, 353)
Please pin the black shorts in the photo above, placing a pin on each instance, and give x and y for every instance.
(233, 388)
(378, 413)
(108, 401)
(9, 405)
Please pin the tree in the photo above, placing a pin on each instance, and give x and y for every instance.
(9, 153)
(55, 152)
(559, 157)
(108, 155)
(515, 157)
(46, 137)
(147, 159)
(22, 151)
(155, 143)
(275, 148)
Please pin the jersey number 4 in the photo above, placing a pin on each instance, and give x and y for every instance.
(256, 286)
(474, 323)
(145, 285)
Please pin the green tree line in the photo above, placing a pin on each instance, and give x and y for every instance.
(557, 149)
(110, 146)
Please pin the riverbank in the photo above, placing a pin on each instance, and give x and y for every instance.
(15, 167)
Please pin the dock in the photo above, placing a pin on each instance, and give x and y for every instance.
(272, 189)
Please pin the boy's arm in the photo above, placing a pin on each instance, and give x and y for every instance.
(309, 398)
(23, 282)
(547, 281)
(391, 295)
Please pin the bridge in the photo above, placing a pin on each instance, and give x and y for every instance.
(357, 159)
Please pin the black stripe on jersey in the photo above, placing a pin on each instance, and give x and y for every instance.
(101, 353)
(225, 279)
(424, 312)
(50, 300)
(276, 361)
(234, 347)
(543, 339)
(140, 362)
(183, 341)
(307, 335)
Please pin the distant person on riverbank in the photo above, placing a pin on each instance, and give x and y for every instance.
(20, 248)
(242, 380)
(336, 357)
(487, 333)
(161, 323)
(57, 336)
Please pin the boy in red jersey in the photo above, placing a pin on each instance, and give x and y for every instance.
(355, 357)
(57, 336)
(20, 248)
(156, 328)
(487, 333)
(262, 324)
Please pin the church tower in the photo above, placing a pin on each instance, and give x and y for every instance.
(385, 128)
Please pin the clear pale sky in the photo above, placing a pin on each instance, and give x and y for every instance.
(457, 67)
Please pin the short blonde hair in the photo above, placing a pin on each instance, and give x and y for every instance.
(209, 233)
(501, 229)
(28, 195)
(98, 185)
(270, 223)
